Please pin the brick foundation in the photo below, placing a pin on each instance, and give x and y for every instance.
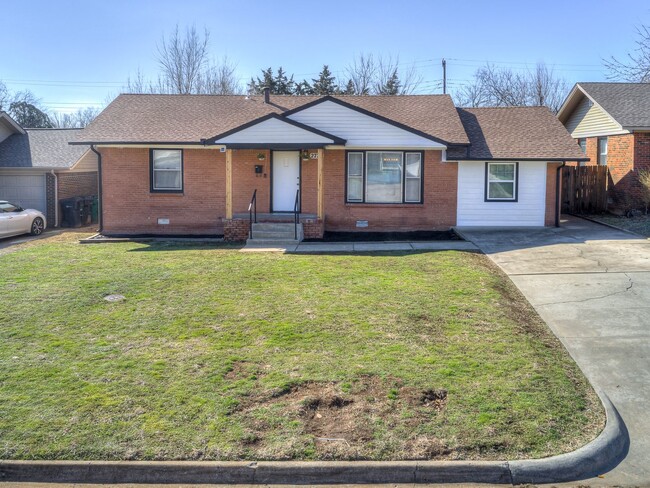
(236, 230)
(313, 229)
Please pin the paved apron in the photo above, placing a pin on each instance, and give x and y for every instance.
(591, 284)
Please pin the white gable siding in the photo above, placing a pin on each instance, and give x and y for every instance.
(473, 210)
(359, 130)
(87, 163)
(588, 120)
(274, 131)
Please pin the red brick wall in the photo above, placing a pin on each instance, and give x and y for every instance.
(437, 212)
(236, 230)
(77, 184)
(130, 208)
(245, 180)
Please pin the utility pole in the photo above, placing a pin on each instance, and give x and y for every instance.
(444, 76)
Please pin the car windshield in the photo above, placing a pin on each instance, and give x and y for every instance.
(7, 207)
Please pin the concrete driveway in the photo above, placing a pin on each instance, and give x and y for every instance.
(591, 284)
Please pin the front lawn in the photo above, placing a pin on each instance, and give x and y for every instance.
(217, 354)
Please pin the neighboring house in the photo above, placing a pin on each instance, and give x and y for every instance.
(38, 167)
(611, 122)
(189, 164)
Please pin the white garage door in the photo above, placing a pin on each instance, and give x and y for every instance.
(28, 191)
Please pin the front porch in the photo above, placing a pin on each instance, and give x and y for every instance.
(265, 187)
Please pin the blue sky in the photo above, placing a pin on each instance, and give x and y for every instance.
(75, 53)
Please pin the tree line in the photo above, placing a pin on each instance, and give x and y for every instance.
(186, 67)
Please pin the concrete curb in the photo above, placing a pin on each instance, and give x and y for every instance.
(611, 226)
(598, 457)
(595, 458)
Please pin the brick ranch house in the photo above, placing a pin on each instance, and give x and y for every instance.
(39, 168)
(190, 164)
(611, 122)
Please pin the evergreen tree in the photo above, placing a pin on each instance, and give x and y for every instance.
(283, 84)
(349, 88)
(304, 88)
(325, 84)
(267, 81)
(391, 86)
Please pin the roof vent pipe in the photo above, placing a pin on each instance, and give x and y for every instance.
(267, 93)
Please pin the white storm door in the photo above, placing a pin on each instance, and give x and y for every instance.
(286, 179)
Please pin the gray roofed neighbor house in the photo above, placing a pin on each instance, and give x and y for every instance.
(516, 133)
(627, 103)
(41, 148)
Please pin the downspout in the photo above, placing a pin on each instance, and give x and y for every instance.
(99, 189)
(56, 198)
(558, 203)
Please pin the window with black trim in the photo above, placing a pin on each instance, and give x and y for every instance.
(602, 151)
(166, 170)
(582, 142)
(384, 177)
(501, 182)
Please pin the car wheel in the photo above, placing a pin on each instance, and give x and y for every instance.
(37, 226)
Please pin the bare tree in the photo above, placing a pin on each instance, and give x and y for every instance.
(4, 97)
(79, 119)
(547, 89)
(635, 67)
(503, 87)
(220, 79)
(182, 60)
(379, 75)
(361, 73)
(387, 79)
(186, 68)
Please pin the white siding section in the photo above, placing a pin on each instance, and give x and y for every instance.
(473, 210)
(274, 131)
(589, 120)
(359, 130)
(87, 163)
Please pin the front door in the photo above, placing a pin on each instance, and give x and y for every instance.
(286, 180)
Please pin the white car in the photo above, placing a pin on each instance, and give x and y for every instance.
(15, 220)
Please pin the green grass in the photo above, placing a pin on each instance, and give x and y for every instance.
(217, 354)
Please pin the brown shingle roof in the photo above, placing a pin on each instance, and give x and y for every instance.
(516, 133)
(190, 118)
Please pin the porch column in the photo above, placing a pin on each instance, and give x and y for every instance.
(320, 205)
(229, 183)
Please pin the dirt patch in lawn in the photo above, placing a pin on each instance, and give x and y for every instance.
(342, 418)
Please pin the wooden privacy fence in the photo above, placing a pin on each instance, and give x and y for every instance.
(584, 189)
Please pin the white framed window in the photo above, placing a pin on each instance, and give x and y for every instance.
(602, 151)
(384, 177)
(413, 178)
(355, 177)
(166, 170)
(501, 182)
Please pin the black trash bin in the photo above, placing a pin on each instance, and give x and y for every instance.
(87, 215)
(94, 211)
(71, 209)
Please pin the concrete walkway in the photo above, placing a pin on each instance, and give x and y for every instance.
(591, 284)
(356, 247)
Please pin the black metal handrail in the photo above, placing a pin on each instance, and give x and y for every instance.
(296, 215)
(252, 213)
